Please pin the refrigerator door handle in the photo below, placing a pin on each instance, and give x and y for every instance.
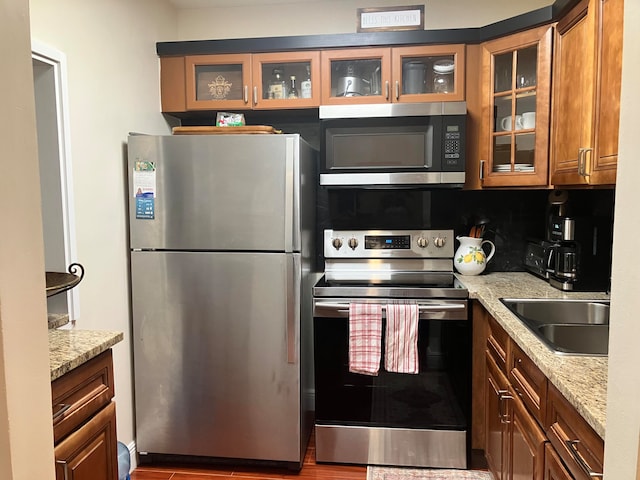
(289, 200)
(293, 273)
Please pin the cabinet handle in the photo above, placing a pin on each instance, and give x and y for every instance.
(571, 444)
(255, 95)
(386, 89)
(503, 395)
(245, 95)
(481, 173)
(582, 161)
(63, 408)
(65, 467)
(397, 90)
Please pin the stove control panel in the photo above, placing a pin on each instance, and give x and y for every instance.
(388, 243)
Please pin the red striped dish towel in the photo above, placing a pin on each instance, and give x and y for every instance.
(401, 338)
(365, 338)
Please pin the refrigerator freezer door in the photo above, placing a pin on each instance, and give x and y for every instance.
(215, 374)
(214, 192)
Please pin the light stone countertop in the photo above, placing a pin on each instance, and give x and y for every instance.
(69, 349)
(581, 379)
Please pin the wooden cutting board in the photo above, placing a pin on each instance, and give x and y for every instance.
(200, 130)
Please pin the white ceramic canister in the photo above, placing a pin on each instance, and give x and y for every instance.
(470, 258)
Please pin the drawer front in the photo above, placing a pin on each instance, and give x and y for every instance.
(82, 392)
(529, 383)
(578, 445)
(497, 344)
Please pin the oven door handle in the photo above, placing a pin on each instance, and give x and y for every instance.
(344, 307)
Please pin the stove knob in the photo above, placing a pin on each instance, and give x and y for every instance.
(440, 241)
(423, 242)
(337, 243)
(353, 243)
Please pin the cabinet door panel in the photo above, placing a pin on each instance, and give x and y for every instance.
(553, 467)
(527, 444)
(217, 81)
(304, 66)
(90, 452)
(574, 82)
(357, 76)
(604, 163)
(496, 420)
(516, 90)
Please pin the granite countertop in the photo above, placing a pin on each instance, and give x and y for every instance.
(69, 349)
(581, 379)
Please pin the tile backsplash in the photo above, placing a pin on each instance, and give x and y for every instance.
(512, 216)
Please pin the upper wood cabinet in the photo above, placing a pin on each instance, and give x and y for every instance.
(586, 94)
(513, 117)
(217, 81)
(242, 81)
(384, 75)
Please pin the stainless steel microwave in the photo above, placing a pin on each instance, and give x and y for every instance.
(402, 145)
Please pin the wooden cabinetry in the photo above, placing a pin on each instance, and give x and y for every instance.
(84, 422)
(586, 94)
(553, 467)
(514, 111)
(239, 81)
(384, 75)
(514, 445)
(496, 420)
(530, 430)
(579, 447)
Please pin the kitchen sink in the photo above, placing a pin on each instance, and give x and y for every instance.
(567, 327)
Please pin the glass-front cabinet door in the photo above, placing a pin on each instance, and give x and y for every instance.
(286, 80)
(428, 73)
(217, 81)
(516, 96)
(356, 76)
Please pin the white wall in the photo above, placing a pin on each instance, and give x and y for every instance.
(113, 89)
(26, 432)
(335, 16)
(623, 414)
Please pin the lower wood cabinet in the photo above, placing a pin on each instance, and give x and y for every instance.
(84, 422)
(90, 453)
(531, 432)
(515, 442)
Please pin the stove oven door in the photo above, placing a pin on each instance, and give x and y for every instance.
(395, 419)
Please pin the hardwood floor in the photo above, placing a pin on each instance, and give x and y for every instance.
(310, 471)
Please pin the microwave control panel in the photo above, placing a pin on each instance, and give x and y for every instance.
(453, 143)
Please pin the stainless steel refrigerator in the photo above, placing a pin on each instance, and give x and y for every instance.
(221, 237)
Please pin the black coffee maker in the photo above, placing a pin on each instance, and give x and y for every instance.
(579, 253)
(576, 252)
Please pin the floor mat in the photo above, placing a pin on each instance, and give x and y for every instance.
(393, 473)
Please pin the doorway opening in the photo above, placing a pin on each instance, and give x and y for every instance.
(56, 179)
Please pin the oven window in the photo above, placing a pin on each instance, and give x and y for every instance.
(436, 398)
